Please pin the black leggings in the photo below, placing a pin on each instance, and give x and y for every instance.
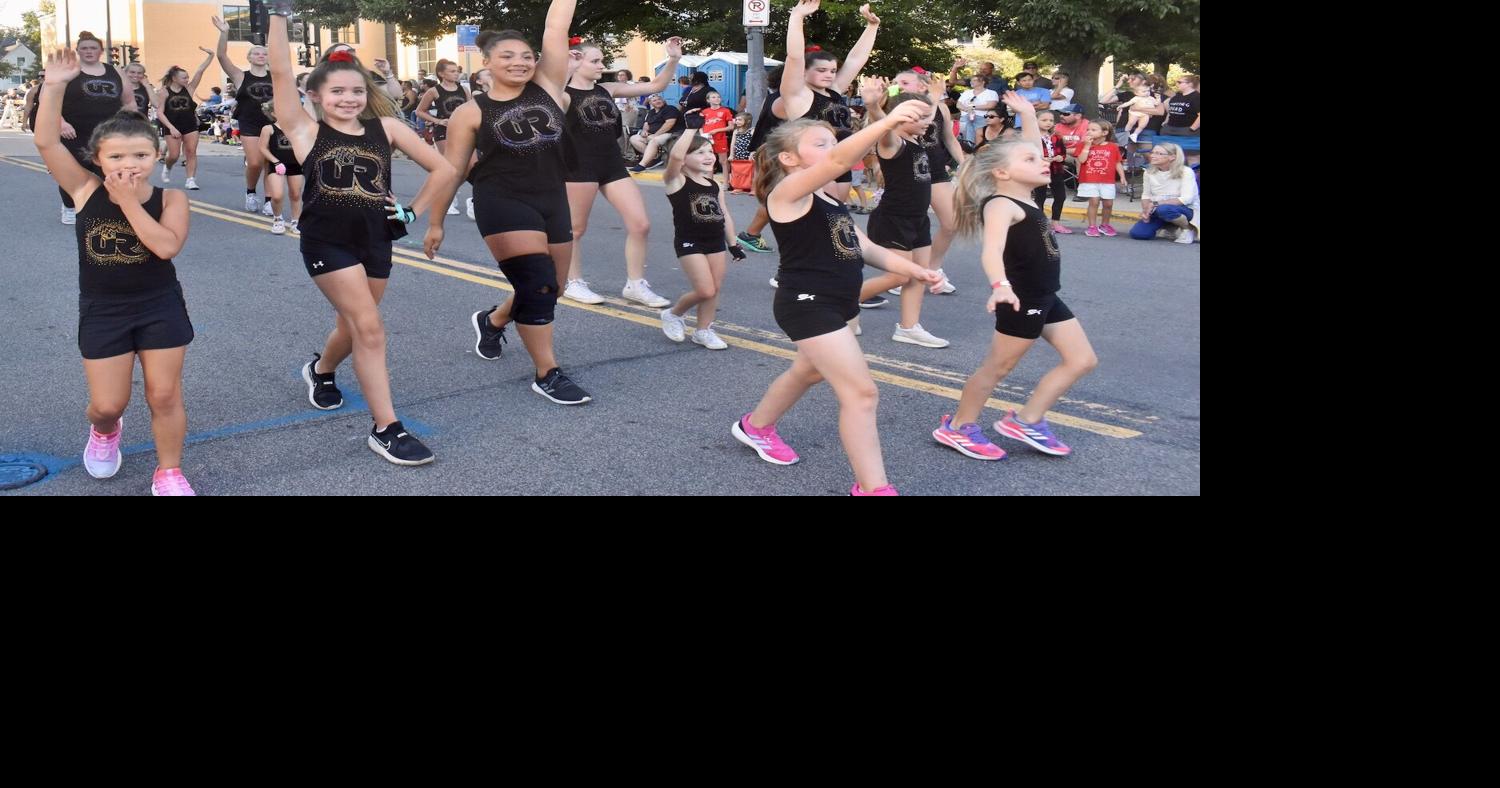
(1059, 195)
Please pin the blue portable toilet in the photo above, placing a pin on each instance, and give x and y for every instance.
(727, 74)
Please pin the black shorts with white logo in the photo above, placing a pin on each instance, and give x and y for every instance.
(807, 315)
(1035, 313)
(322, 257)
(110, 326)
(687, 246)
(902, 233)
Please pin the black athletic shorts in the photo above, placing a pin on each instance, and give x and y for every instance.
(503, 212)
(1035, 313)
(807, 315)
(602, 169)
(686, 246)
(322, 257)
(110, 326)
(902, 233)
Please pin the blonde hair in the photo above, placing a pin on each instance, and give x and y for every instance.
(976, 182)
(768, 169)
(1179, 159)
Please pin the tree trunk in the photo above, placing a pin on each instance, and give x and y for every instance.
(1084, 69)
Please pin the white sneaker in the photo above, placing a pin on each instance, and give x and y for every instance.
(894, 291)
(292, 227)
(166, 174)
(774, 282)
(1135, 137)
(192, 184)
(453, 208)
(252, 203)
(1185, 237)
(673, 326)
(69, 216)
(948, 288)
(278, 227)
(469, 209)
(640, 292)
(707, 338)
(917, 335)
(578, 290)
(268, 211)
(102, 457)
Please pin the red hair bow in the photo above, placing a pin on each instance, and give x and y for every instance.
(575, 41)
(919, 69)
(341, 56)
(814, 48)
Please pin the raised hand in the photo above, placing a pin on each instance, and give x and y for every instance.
(870, 17)
(806, 8)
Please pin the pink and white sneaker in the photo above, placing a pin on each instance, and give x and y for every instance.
(170, 482)
(885, 491)
(1092, 232)
(101, 457)
(1061, 229)
(1107, 231)
(1038, 436)
(764, 441)
(968, 440)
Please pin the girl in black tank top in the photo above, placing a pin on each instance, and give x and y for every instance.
(822, 253)
(439, 102)
(1021, 259)
(178, 116)
(594, 127)
(129, 305)
(89, 100)
(348, 180)
(250, 92)
(284, 181)
(703, 230)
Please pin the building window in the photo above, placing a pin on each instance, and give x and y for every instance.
(20, 62)
(346, 35)
(427, 55)
(238, 19)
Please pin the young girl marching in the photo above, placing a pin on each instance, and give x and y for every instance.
(129, 303)
(1021, 259)
(822, 255)
(704, 231)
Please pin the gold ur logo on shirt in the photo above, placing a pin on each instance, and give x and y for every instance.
(352, 170)
(114, 243)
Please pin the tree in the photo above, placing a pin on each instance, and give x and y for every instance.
(6, 70)
(1081, 34)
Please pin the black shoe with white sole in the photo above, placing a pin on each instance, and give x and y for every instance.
(560, 389)
(873, 302)
(487, 338)
(322, 392)
(399, 446)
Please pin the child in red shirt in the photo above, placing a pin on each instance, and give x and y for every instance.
(718, 121)
(1100, 166)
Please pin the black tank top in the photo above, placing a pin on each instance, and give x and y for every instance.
(447, 102)
(281, 148)
(908, 181)
(112, 261)
(521, 142)
(593, 122)
(90, 100)
(933, 140)
(695, 212)
(1033, 263)
(253, 92)
(181, 110)
(348, 179)
(820, 252)
(142, 100)
(833, 110)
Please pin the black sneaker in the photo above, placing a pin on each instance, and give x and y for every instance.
(321, 390)
(399, 446)
(873, 302)
(487, 338)
(560, 389)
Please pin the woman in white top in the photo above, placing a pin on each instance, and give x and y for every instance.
(974, 104)
(1062, 95)
(1169, 196)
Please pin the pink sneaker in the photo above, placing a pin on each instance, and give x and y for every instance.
(1038, 436)
(885, 491)
(1109, 232)
(968, 440)
(170, 482)
(765, 442)
(1061, 229)
(1092, 232)
(101, 457)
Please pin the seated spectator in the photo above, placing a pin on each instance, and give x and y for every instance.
(660, 122)
(1169, 195)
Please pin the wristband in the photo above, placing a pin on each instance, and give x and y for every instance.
(403, 214)
(1000, 284)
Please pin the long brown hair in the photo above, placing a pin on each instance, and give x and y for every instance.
(377, 103)
(768, 169)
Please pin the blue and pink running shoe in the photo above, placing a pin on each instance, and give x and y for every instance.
(1039, 435)
(968, 440)
(764, 441)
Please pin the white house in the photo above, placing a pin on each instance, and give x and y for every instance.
(20, 57)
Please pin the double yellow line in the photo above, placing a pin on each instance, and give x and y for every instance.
(489, 277)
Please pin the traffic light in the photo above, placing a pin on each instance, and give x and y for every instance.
(132, 54)
(260, 22)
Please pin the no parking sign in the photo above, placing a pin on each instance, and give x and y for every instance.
(757, 13)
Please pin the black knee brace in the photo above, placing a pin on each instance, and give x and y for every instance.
(535, 279)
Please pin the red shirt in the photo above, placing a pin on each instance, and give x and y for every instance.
(1100, 167)
(716, 118)
(1072, 135)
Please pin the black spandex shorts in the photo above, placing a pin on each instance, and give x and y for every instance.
(503, 212)
(322, 257)
(807, 315)
(1035, 312)
(110, 326)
